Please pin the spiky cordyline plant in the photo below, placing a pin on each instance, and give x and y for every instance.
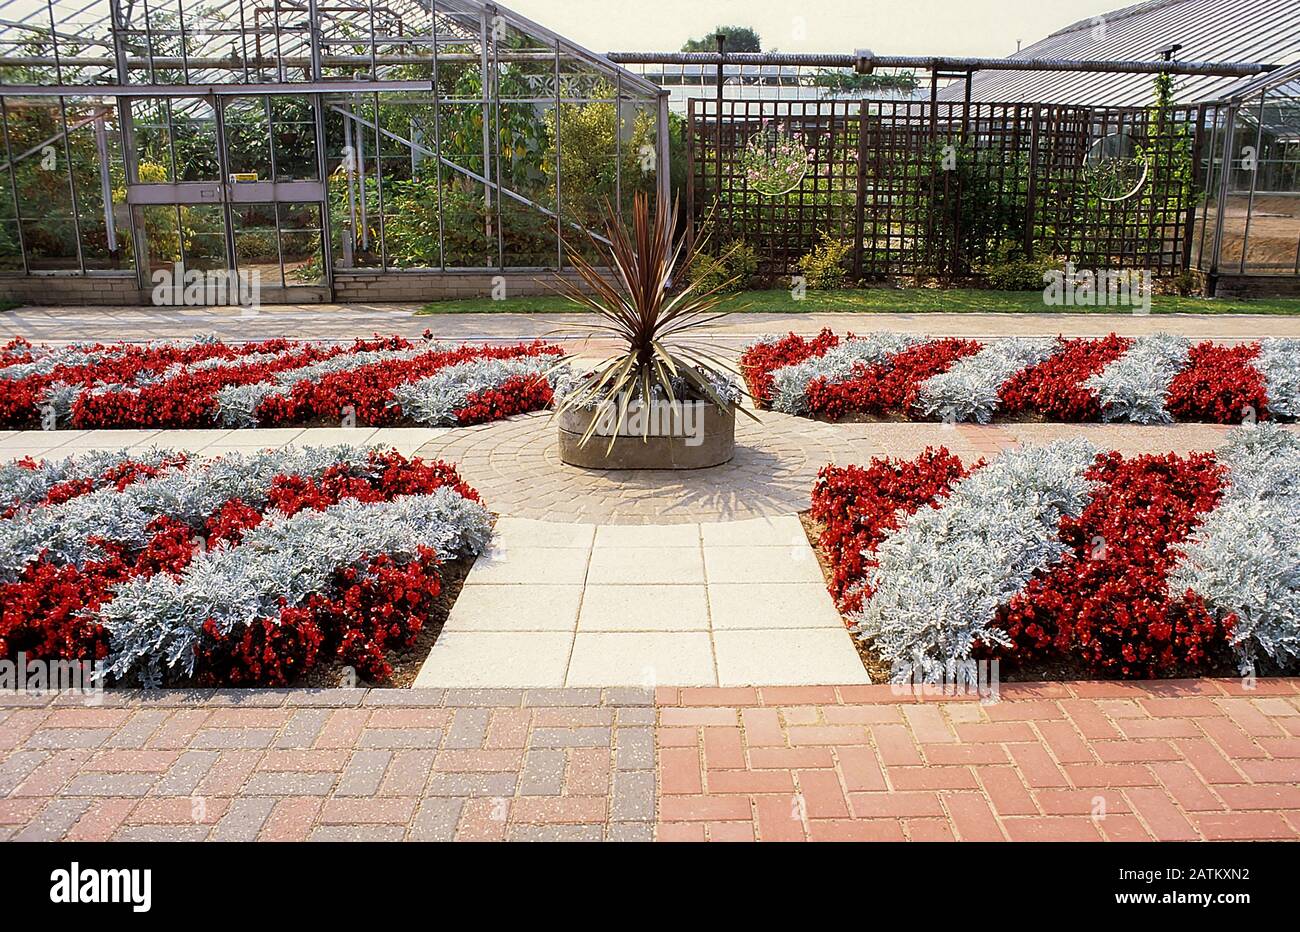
(634, 305)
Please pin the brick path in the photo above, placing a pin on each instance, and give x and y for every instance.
(1171, 760)
(335, 765)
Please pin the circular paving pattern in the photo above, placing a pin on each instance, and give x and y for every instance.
(515, 464)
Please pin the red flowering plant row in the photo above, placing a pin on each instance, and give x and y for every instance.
(1150, 379)
(857, 507)
(239, 571)
(206, 383)
(1063, 560)
(26, 483)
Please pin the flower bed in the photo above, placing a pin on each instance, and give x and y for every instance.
(1144, 380)
(205, 383)
(238, 571)
(1063, 557)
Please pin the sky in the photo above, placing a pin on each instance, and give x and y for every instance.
(901, 27)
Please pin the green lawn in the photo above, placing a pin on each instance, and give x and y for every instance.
(8, 306)
(894, 301)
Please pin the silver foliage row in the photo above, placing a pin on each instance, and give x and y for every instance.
(1245, 557)
(67, 531)
(969, 390)
(237, 404)
(1135, 387)
(434, 400)
(1279, 363)
(941, 577)
(155, 623)
(23, 487)
(45, 361)
(790, 383)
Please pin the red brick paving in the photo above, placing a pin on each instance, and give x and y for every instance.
(1059, 762)
(1054, 761)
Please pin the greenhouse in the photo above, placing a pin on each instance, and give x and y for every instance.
(372, 150)
(1248, 231)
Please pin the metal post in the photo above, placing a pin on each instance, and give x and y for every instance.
(379, 187)
(13, 184)
(664, 183)
(717, 147)
(618, 145)
(559, 214)
(1254, 182)
(223, 167)
(496, 148)
(437, 139)
(487, 146)
(72, 184)
(313, 15)
(106, 185)
(1225, 185)
(322, 170)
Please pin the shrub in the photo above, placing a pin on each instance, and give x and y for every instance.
(732, 270)
(1011, 270)
(824, 268)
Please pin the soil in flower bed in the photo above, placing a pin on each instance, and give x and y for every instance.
(406, 662)
(1066, 562)
(1153, 379)
(204, 383)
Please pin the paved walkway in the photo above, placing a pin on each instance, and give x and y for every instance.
(1171, 760)
(733, 604)
(515, 464)
(57, 444)
(337, 322)
(516, 467)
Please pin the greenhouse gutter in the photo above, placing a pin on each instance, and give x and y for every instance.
(865, 62)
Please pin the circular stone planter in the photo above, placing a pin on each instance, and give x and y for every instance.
(686, 435)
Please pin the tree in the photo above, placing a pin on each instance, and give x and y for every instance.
(739, 39)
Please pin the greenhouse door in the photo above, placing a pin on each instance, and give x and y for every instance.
(228, 184)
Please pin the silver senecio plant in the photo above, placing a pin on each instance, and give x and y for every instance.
(21, 487)
(434, 400)
(1279, 362)
(67, 531)
(1244, 558)
(1135, 387)
(939, 579)
(970, 389)
(790, 383)
(237, 404)
(154, 623)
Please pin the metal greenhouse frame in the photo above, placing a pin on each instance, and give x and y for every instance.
(1247, 232)
(311, 140)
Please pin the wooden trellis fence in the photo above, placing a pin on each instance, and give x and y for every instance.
(941, 188)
